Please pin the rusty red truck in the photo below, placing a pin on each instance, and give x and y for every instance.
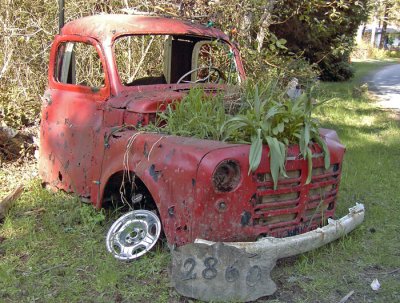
(109, 75)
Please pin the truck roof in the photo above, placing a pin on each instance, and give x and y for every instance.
(107, 27)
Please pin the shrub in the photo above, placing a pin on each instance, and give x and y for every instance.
(336, 69)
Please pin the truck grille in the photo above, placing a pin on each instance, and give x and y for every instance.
(294, 207)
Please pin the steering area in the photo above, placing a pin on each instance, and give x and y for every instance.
(213, 76)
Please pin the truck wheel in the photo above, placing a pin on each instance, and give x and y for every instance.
(133, 234)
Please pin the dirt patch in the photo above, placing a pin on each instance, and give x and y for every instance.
(15, 144)
(17, 157)
(13, 174)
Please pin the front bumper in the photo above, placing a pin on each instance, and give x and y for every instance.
(290, 246)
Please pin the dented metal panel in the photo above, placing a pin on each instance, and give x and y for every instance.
(92, 135)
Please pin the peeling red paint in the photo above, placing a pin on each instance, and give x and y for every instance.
(85, 134)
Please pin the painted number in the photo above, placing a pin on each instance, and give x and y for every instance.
(209, 272)
(253, 276)
(189, 265)
(232, 274)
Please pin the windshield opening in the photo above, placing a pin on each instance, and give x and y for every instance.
(166, 59)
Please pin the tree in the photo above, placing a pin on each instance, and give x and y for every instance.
(322, 30)
(384, 13)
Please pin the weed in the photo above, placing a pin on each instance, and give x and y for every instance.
(90, 216)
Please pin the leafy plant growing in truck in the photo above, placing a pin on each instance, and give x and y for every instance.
(265, 115)
(198, 115)
(273, 118)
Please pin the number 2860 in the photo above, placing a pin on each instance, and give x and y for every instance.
(210, 271)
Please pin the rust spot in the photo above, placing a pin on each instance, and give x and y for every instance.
(193, 182)
(145, 150)
(154, 173)
(67, 122)
(246, 216)
(169, 156)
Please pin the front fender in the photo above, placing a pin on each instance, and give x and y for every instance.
(167, 165)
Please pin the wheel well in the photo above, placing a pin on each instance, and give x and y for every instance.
(126, 190)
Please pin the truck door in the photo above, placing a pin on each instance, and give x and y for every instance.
(71, 129)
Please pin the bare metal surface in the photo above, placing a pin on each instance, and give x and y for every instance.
(133, 234)
(291, 246)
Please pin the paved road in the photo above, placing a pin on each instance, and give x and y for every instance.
(385, 83)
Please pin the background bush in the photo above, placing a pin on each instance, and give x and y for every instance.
(272, 36)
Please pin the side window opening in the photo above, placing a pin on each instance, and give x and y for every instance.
(79, 63)
(214, 61)
(165, 59)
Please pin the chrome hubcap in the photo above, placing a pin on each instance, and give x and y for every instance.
(133, 234)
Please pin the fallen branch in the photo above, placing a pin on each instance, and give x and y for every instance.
(6, 203)
(35, 211)
(346, 297)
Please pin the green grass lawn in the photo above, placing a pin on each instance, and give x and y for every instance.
(370, 176)
(52, 247)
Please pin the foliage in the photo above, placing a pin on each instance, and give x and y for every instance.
(198, 115)
(366, 51)
(27, 29)
(386, 12)
(322, 30)
(266, 115)
(336, 69)
(90, 216)
(269, 116)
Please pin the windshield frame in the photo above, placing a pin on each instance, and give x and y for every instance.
(178, 86)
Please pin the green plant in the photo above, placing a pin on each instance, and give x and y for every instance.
(90, 216)
(336, 68)
(270, 117)
(265, 115)
(198, 114)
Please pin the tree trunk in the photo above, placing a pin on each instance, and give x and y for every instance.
(265, 22)
(384, 26)
(374, 24)
(360, 33)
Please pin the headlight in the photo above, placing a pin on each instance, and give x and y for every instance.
(226, 176)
